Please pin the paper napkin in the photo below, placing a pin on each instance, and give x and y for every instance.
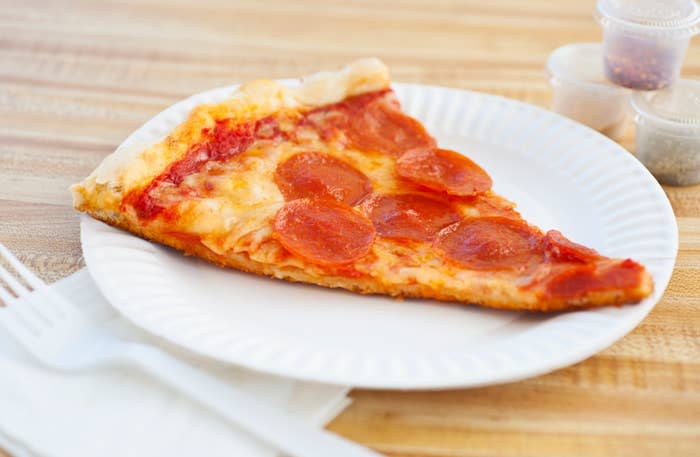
(118, 412)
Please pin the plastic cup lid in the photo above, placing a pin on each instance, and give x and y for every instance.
(678, 16)
(678, 105)
(581, 63)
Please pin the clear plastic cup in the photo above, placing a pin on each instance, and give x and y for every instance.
(668, 132)
(581, 92)
(645, 41)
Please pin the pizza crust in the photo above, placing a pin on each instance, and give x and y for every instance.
(496, 294)
(135, 164)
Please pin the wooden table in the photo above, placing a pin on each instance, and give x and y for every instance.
(77, 77)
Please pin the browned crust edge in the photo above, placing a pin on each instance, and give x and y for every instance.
(370, 285)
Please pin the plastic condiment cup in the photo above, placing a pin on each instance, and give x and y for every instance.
(581, 91)
(668, 132)
(645, 41)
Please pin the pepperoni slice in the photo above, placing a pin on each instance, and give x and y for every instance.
(324, 232)
(558, 248)
(386, 130)
(443, 170)
(409, 216)
(314, 175)
(490, 243)
(579, 280)
(372, 122)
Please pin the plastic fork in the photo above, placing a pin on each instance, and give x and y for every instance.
(60, 335)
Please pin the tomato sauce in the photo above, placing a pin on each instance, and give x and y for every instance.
(220, 143)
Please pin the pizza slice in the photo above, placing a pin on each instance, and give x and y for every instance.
(330, 183)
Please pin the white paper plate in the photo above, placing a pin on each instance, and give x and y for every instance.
(561, 174)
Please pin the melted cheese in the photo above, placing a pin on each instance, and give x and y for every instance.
(234, 202)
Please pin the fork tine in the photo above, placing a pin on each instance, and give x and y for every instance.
(60, 305)
(16, 310)
(11, 281)
(23, 271)
(25, 300)
(6, 296)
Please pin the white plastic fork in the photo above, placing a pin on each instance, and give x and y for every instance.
(63, 337)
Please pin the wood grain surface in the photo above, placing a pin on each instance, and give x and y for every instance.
(76, 77)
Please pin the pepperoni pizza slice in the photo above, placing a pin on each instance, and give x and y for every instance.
(330, 183)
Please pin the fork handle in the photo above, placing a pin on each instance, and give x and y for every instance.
(271, 425)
